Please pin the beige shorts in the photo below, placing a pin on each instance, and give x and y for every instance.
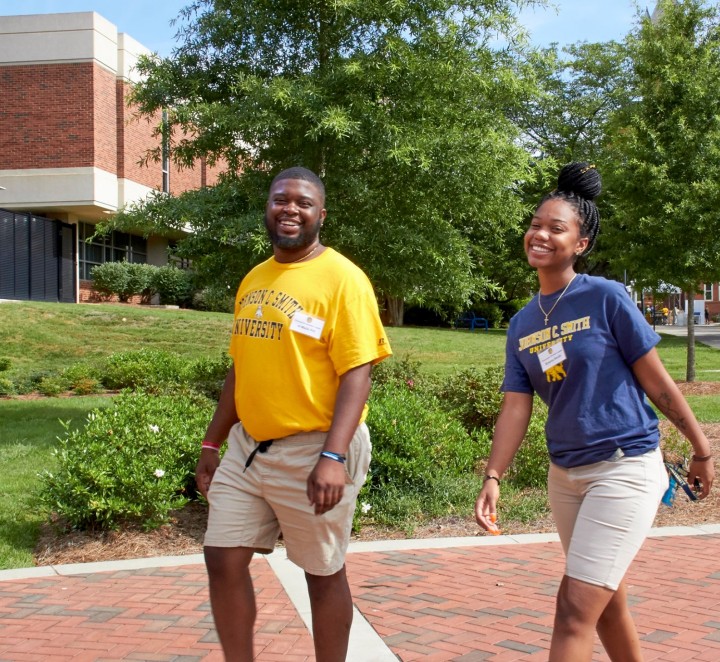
(251, 508)
(604, 511)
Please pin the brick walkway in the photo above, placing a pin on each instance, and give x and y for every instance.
(468, 601)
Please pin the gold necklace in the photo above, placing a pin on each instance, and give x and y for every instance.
(304, 257)
(547, 314)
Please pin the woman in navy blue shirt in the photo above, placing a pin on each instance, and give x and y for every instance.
(583, 346)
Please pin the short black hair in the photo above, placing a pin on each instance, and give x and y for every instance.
(298, 172)
(579, 183)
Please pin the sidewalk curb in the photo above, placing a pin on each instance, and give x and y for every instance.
(355, 547)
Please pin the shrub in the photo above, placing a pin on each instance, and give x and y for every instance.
(7, 387)
(530, 466)
(125, 280)
(215, 298)
(110, 278)
(149, 369)
(52, 385)
(5, 363)
(403, 371)
(414, 440)
(83, 379)
(423, 460)
(172, 285)
(207, 375)
(138, 282)
(473, 396)
(132, 462)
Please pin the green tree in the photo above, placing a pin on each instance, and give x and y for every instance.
(665, 178)
(403, 108)
(582, 86)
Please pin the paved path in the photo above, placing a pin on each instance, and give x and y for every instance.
(460, 599)
(709, 334)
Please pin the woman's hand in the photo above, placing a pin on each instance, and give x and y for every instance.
(486, 506)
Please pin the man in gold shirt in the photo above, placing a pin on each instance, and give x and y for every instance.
(305, 336)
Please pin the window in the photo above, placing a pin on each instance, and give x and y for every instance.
(179, 262)
(115, 247)
(708, 292)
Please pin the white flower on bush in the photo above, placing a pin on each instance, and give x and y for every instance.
(365, 507)
(155, 428)
(159, 473)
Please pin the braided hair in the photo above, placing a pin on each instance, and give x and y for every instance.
(579, 183)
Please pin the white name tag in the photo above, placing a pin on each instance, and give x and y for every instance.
(552, 356)
(307, 324)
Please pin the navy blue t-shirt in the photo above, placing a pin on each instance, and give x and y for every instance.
(595, 403)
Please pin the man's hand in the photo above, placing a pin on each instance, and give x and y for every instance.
(326, 485)
(205, 469)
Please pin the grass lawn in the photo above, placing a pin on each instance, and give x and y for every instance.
(41, 337)
(27, 435)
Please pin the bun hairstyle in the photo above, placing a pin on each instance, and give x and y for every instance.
(579, 183)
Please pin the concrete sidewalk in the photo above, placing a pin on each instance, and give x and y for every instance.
(708, 334)
(460, 599)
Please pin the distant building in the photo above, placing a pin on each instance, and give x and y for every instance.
(70, 152)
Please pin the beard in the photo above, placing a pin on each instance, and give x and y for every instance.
(307, 235)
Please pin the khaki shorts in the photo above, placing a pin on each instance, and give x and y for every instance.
(251, 508)
(604, 511)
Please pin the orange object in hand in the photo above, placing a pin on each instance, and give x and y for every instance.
(494, 531)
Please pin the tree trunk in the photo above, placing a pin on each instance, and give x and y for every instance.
(394, 311)
(690, 370)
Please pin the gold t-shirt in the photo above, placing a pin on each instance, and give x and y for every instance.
(297, 328)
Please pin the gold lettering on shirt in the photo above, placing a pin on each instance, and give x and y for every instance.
(543, 338)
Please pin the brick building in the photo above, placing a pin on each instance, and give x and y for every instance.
(70, 152)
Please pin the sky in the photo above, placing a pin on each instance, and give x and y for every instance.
(148, 21)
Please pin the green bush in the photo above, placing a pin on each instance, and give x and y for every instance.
(132, 462)
(125, 280)
(109, 278)
(414, 440)
(404, 371)
(207, 375)
(5, 363)
(149, 369)
(83, 379)
(52, 385)
(473, 396)
(216, 299)
(530, 466)
(7, 387)
(451, 496)
(138, 282)
(172, 285)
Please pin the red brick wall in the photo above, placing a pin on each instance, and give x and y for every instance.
(76, 115)
(48, 115)
(186, 179)
(134, 140)
(104, 120)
